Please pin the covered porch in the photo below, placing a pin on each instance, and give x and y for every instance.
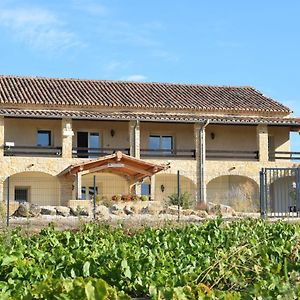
(109, 176)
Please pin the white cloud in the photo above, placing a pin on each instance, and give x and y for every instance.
(38, 28)
(135, 77)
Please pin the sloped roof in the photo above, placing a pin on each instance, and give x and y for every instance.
(99, 93)
(118, 163)
(149, 117)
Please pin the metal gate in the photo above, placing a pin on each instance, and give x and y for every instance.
(280, 192)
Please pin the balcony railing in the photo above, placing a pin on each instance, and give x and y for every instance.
(82, 152)
(284, 155)
(32, 151)
(189, 153)
(232, 154)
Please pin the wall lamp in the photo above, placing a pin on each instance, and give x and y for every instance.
(112, 132)
(162, 188)
(212, 135)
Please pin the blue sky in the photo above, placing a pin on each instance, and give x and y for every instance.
(254, 43)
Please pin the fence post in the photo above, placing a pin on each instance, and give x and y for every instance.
(178, 194)
(298, 191)
(261, 194)
(7, 204)
(94, 199)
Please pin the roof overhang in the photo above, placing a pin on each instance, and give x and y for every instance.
(118, 163)
(188, 118)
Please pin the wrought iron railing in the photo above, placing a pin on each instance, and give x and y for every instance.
(232, 154)
(83, 152)
(284, 155)
(188, 153)
(32, 151)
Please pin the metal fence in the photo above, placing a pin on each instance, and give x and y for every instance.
(107, 196)
(280, 192)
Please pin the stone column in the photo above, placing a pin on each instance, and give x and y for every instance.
(134, 140)
(1, 136)
(262, 142)
(66, 193)
(200, 152)
(152, 187)
(67, 138)
(78, 186)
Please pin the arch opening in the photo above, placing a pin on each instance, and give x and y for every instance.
(166, 187)
(239, 192)
(33, 187)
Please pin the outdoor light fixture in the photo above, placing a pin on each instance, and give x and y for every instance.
(212, 135)
(162, 188)
(67, 130)
(112, 132)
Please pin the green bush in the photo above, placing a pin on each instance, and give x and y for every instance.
(144, 198)
(185, 200)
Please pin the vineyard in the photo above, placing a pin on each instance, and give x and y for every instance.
(214, 260)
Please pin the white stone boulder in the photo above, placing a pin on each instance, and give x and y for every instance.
(27, 210)
(62, 211)
(48, 210)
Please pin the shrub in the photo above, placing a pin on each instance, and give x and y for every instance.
(185, 200)
(116, 197)
(144, 198)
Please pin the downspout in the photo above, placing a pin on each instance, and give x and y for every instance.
(137, 122)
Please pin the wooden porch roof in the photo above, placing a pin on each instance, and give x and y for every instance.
(118, 163)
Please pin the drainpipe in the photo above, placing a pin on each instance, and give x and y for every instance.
(137, 123)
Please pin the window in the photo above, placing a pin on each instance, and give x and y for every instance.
(161, 142)
(87, 140)
(145, 189)
(21, 194)
(44, 138)
(90, 194)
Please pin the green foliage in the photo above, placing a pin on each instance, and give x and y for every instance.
(144, 198)
(185, 200)
(248, 259)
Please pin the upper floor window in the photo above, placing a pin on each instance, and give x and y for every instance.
(44, 138)
(161, 142)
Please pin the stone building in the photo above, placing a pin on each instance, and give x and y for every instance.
(217, 137)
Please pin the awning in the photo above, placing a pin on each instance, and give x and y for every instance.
(119, 163)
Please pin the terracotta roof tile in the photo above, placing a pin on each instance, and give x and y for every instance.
(100, 93)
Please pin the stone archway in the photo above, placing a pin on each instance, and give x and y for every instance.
(166, 185)
(34, 187)
(240, 192)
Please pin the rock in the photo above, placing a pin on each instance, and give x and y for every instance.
(62, 211)
(102, 211)
(151, 210)
(220, 209)
(27, 210)
(48, 210)
(187, 212)
(84, 212)
(200, 213)
(23, 210)
(116, 210)
(173, 210)
(79, 211)
(34, 210)
(128, 210)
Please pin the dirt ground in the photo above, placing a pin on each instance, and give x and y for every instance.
(35, 224)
